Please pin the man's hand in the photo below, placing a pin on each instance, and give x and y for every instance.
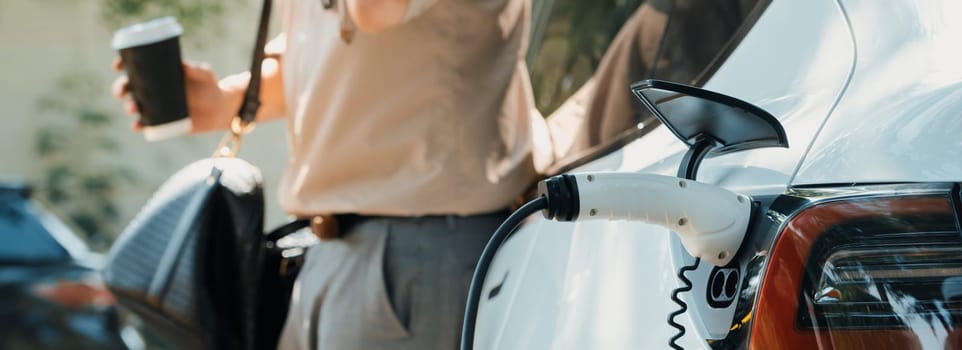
(374, 16)
(210, 105)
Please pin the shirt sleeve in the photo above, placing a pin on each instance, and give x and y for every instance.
(417, 7)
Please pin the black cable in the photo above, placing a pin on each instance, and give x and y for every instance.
(481, 270)
(686, 286)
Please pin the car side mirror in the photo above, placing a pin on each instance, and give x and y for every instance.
(708, 122)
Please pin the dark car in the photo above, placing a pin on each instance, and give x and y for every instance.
(50, 291)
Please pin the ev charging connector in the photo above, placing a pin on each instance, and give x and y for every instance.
(711, 221)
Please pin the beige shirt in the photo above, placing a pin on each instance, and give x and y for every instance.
(434, 116)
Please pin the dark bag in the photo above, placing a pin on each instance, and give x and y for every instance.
(189, 261)
(195, 264)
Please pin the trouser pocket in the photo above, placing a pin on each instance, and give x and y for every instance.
(392, 297)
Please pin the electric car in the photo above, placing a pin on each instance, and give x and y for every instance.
(50, 290)
(850, 238)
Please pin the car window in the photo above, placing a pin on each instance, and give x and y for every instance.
(568, 39)
(589, 52)
(23, 238)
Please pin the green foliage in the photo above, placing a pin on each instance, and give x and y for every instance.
(81, 176)
(118, 13)
(575, 39)
(192, 14)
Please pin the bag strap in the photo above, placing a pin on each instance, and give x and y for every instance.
(243, 123)
(248, 109)
(286, 229)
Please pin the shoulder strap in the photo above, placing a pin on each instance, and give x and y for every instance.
(248, 109)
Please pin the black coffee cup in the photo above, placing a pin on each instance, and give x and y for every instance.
(150, 52)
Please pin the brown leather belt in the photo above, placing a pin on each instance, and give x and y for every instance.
(333, 226)
(329, 227)
(325, 227)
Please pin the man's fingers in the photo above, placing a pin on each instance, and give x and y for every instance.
(197, 71)
(119, 87)
(189, 67)
(196, 65)
(131, 108)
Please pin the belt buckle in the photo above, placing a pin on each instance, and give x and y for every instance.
(325, 227)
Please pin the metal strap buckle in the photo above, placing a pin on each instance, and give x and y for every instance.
(230, 144)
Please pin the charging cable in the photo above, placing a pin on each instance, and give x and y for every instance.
(711, 221)
(481, 270)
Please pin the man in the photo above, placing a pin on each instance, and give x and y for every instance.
(410, 124)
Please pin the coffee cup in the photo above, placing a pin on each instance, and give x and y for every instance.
(150, 53)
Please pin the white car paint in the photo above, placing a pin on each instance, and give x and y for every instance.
(606, 285)
(901, 118)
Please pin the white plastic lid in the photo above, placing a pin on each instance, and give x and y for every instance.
(149, 32)
(166, 131)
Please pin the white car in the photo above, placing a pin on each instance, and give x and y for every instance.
(853, 238)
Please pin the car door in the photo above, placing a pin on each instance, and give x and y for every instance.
(607, 285)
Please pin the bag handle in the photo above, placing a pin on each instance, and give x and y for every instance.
(243, 123)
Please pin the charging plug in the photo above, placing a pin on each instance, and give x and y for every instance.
(711, 221)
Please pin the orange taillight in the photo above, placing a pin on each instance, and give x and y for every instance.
(869, 273)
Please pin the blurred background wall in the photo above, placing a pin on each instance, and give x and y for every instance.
(64, 134)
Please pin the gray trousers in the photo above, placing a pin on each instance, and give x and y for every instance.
(389, 283)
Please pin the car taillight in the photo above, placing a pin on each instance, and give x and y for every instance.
(869, 273)
(75, 294)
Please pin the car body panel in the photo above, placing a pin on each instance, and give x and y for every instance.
(607, 284)
(900, 118)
